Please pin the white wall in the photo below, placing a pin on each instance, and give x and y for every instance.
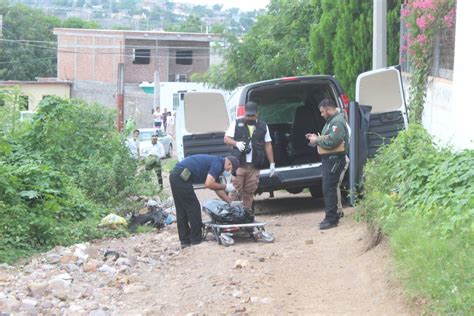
(449, 108)
(462, 118)
(437, 114)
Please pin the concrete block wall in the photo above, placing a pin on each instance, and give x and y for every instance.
(94, 91)
(137, 104)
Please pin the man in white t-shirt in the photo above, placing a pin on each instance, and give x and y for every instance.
(252, 145)
(153, 158)
(134, 145)
(158, 118)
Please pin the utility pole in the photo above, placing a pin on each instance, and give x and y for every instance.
(119, 99)
(156, 90)
(379, 40)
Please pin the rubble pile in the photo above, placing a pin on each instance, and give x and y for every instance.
(86, 278)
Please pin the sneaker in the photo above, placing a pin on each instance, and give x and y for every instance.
(326, 225)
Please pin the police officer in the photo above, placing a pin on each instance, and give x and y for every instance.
(197, 169)
(333, 147)
(252, 144)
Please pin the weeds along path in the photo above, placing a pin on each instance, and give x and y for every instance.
(305, 271)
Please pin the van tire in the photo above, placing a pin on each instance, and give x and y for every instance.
(316, 191)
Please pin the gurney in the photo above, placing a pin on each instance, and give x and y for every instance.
(227, 221)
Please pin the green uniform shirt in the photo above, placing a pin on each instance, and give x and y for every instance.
(336, 129)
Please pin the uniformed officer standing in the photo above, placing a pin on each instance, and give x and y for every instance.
(333, 147)
(252, 145)
(197, 169)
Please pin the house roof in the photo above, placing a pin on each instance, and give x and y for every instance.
(45, 81)
(142, 35)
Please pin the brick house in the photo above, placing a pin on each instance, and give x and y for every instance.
(95, 54)
(91, 60)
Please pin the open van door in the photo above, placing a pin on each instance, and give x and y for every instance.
(377, 116)
(201, 121)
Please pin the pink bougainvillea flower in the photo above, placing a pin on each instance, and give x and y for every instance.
(421, 39)
(405, 12)
(430, 17)
(449, 18)
(421, 22)
(426, 4)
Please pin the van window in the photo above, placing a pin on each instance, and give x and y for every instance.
(281, 111)
(205, 112)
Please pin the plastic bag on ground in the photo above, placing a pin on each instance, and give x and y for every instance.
(113, 221)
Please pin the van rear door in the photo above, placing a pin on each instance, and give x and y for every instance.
(202, 120)
(377, 116)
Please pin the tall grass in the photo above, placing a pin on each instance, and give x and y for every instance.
(422, 198)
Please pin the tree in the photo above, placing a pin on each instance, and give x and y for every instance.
(276, 45)
(77, 23)
(341, 41)
(28, 47)
(193, 23)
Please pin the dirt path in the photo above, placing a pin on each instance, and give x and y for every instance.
(306, 271)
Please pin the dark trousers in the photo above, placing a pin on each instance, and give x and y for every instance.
(333, 167)
(188, 209)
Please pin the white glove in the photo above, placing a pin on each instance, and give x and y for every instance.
(272, 169)
(229, 187)
(240, 146)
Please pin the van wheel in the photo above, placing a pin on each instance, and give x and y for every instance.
(170, 151)
(316, 191)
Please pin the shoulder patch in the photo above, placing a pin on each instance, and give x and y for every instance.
(241, 124)
(334, 128)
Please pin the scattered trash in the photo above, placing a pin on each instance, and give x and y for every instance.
(111, 254)
(156, 217)
(113, 221)
(170, 219)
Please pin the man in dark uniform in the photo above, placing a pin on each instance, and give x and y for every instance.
(252, 145)
(197, 169)
(333, 147)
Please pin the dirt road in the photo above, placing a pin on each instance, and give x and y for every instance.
(305, 271)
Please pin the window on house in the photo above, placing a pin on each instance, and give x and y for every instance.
(141, 56)
(184, 57)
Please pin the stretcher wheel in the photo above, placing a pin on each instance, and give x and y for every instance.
(226, 240)
(267, 237)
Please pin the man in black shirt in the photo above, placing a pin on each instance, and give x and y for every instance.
(197, 169)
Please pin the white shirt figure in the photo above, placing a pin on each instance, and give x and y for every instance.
(133, 146)
(156, 150)
(231, 133)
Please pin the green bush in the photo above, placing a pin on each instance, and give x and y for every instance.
(422, 197)
(59, 175)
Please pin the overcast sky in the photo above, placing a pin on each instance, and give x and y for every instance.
(243, 5)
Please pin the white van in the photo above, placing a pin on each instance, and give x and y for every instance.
(289, 107)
